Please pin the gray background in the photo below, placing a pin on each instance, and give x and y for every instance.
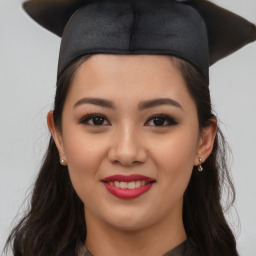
(28, 62)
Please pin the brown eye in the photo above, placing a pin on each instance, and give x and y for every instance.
(162, 121)
(94, 120)
(158, 121)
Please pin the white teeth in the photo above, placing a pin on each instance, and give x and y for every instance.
(128, 185)
(137, 183)
(123, 184)
(131, 185)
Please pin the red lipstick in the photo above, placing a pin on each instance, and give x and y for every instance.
(128, 187)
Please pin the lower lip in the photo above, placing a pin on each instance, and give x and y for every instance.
(127, 193)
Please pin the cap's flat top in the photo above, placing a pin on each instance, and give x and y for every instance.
(195, 30)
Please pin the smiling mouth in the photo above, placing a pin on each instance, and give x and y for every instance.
(128, 187)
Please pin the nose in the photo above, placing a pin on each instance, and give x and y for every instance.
(126, 148)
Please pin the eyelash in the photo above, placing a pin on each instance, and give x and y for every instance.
(84, 120)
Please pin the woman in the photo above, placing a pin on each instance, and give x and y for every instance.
(141, 167)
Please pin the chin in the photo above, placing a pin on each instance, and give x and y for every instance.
(127, 220)
(129, 226)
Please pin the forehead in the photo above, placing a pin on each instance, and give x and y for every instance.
(127, 70)
(128, 78)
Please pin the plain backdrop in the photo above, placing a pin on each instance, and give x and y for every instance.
(28, 64)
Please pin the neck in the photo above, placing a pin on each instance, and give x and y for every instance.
(104, 239)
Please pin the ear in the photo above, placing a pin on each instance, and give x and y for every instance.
(206, 141)
(56, 134)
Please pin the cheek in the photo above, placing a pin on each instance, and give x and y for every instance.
(174, 158)
(84, 156)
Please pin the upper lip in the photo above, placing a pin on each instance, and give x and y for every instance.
(133, 177)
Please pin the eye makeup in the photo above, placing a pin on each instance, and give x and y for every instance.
(97, 119)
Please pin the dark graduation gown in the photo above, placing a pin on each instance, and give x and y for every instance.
(187, 248)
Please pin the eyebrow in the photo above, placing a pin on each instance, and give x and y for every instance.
(141, 106)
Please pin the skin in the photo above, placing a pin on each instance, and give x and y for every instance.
(129, 142)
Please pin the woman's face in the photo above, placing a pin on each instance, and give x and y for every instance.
(130, 137)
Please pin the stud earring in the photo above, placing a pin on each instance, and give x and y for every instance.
(63, 161)
(200, 167)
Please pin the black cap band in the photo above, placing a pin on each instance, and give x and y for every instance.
(142, 27)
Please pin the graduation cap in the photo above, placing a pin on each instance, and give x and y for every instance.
(197, 31)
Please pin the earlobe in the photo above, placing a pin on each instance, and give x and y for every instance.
(56, 135)
(206, 142)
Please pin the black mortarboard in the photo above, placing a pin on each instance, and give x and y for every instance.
(195, 30)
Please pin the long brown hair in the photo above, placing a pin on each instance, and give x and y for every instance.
(55, 224)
